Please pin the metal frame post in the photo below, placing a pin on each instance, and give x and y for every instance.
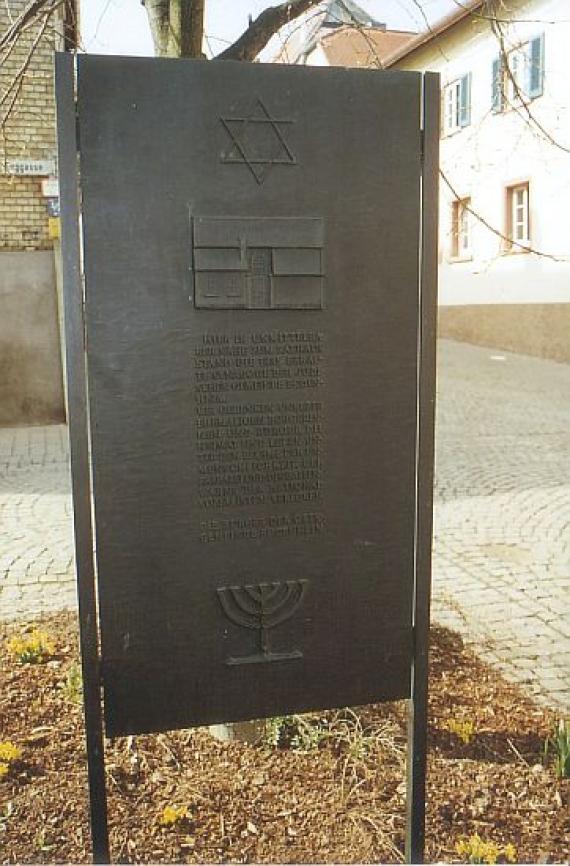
(418, 705)
(79, 450)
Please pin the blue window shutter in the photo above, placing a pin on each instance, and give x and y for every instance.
(465, 100)
(497, 85)
(536, 66)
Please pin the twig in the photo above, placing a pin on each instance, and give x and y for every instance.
(511, 241)
(517, 753)
(260, 31)
(530, 119)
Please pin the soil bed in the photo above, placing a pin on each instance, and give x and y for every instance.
(325, 788)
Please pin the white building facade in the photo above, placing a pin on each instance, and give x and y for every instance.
(505, 163)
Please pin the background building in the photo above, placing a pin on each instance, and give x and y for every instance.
(505, 160)
(505, 157)
(31, 389)
(340, 33)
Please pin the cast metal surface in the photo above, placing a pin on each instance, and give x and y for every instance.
(252, 321)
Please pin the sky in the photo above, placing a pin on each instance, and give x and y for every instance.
(120, 26)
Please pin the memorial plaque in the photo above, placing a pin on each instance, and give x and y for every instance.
(252, 292)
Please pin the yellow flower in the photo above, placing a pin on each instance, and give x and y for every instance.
(462, 847)
(34, 647)
(510, 853)
(462, 729)
(172, 815)
(3, 769)
(9, 752)
(476, 850)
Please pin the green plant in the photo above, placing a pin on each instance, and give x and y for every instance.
(477, 850)
(42, 841)
(309, 736)
(359, 742)
(72, 688)
(559, 743)
(300, 733)
(31, 648)
(360, 747)
(274, 728)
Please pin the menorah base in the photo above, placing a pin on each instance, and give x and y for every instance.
(259, 658)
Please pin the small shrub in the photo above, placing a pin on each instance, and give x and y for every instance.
(309, 735)
(72, 688)
(172, 815)
(42, 841)
(477, 850)
(32, 648)
(274, 729)
(9, 753)
(300, 733)
(559, 743)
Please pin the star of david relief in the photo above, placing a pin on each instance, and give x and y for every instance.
(257, 141)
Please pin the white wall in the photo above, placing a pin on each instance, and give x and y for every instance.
(497, 150)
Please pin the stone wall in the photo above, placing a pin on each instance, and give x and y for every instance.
(542, 330)
(28, 118)
(31, 387)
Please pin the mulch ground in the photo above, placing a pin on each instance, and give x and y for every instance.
(322, 789)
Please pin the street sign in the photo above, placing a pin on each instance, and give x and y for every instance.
(30, 167)
(259, 317)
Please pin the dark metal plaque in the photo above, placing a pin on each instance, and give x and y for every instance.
(251, 238)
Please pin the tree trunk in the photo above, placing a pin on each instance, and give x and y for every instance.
(177, 27)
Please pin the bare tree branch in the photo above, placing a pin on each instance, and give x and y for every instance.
(521, 105)
(260, 31)
(510, 241)
(38, 13)
(29, 15)
(474, 13)
(17, 82)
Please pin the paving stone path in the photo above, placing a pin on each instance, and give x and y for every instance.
(36, 536)
(502, 512)
(501, 528)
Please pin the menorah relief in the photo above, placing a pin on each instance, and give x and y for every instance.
(261, 607)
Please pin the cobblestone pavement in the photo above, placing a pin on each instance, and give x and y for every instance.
(36, 536)
(502, 514)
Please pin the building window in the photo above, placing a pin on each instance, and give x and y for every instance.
(461, 229)
(518, 75)
(518, 221)
(457, 104)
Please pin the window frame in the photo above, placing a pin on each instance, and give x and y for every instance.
(512, 75)
(514, 208)
(456, 104)
(461, 230)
